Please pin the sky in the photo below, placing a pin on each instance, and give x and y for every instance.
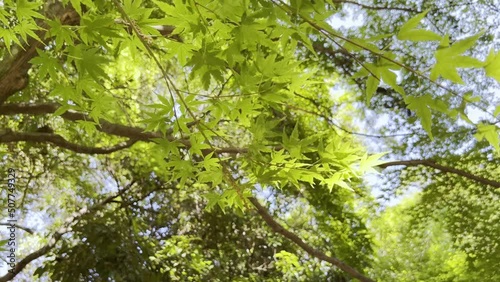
(351, 20)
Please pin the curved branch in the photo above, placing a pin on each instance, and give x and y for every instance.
(69, 222)
(14, 68)
(433, 164)
(27, 229)
(58, 140)
(134, 133)
(278, 228)
(409, 10)
(33, 256)
(103, 126)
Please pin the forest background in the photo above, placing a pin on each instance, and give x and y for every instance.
(249, 140)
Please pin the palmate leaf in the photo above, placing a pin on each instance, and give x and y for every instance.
(48, 65)
(88, 126)
(88, 60)
(382, 71)
(212, 200)
(134, 10)
(9, 36)
(449, 58)
(182, 51)
(101, 105)
(28, 10)
(337, 179)
(63, 34)
(413, 22)
(492, 65)
(180, 15)
(67, 93)
(490, 133)
(27, 28)
(97, 29)
(420, 105)
(409, 32)
(3, 17)
(367, 163)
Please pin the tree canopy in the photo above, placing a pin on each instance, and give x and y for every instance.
(250, 140)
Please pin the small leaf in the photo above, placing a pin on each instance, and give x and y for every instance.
(488, 132)
(28, 10)
(48, 65)
(448, 59)
(368, 163)
(390, 77)
(412, 23)
(183, 51)
(492, 67)
(419, 105)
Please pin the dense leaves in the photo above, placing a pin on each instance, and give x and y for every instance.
(156, 139)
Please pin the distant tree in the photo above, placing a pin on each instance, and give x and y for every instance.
(214, 140)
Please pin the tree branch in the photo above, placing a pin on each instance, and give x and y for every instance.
(376, 7)
(134, 133)
(103, 126)
(27, 229)
(14, 68)
(58, 140)
(137, 133)
(278, 228)
(69, 222)
(433, 164)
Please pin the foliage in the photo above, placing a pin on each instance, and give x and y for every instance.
(403, 251)
(147, 132)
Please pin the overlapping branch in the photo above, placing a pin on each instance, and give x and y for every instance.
(138, 134)
(58, 140)
(15, 79)
(433, 164)
(368, 7)
(71, 221)
(103, 126)
(131, 132)
(27, 229)
(278, 228)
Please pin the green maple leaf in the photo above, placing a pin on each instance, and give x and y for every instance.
(48, 65)
(492, 65)
(420, 105)
(490, 133)
(409, 32)
(449, 58)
